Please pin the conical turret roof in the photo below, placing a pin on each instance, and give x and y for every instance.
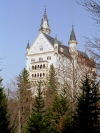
(72, 36)
(28, 45)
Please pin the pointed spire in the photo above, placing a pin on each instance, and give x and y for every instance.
(56, 41)
(72, 36)
(28, 45)
(44, 27)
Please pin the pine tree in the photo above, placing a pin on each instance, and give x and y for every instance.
(24, 97)
(87, 117)
(60, 110)
(52, 78)
(37, 121)
(4, 119)
(51, 90)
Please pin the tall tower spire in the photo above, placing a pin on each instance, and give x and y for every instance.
(72, 41)
(44, 27)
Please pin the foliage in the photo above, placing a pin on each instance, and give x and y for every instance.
(24, 96)
(60, 110)
(93, 44)
(38, 121)
(4, 118)
(87, 116)
(51, 88)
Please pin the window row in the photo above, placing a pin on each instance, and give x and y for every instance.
(38, 66)
(38, 75)
(41, 59)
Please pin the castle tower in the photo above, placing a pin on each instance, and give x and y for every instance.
(72, 42)
(44, 27)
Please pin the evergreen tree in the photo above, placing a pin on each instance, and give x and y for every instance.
(87, 117)
(51, 89)
(24, 97)
(4, 119)
(60, 110)
(52, 78)
(38, 121)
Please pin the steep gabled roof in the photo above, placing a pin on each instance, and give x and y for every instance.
(51, 39)
(65, 48)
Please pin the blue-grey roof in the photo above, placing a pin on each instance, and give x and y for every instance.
(28, 45)
(44, 19)
(65, 48)
(72, 36)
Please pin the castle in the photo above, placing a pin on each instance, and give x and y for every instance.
(69, 62)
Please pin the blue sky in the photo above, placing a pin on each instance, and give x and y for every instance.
(20, 21)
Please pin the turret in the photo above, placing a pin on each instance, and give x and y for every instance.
(27, 47)
(72, 42)
(44, 27)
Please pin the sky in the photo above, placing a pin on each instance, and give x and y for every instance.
(20, 21)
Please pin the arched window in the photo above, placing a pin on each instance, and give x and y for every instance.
(35, 75)
(32, 67)
(40, 66)
(32, 75)
(43, 74)
(40, 74)
(43, 65)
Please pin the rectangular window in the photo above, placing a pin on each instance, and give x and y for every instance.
(32, 60)
(49, 58)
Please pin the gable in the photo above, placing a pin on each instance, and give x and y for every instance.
(41, 45)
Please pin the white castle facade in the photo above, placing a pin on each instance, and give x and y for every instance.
(47, 50)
